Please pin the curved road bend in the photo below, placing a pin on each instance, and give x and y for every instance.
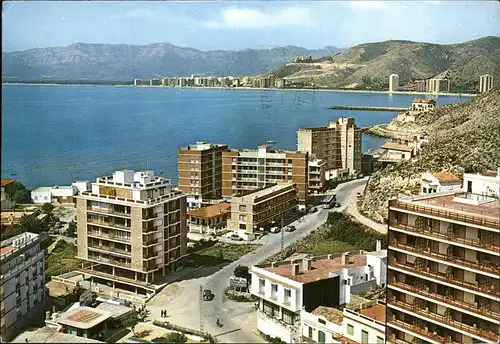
(226, 310)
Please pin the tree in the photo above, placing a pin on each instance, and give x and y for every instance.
(48, 208)
(72, 229)
(19, 193)
(241, 271)
(175, 337)
(31, 224)
(135, 318)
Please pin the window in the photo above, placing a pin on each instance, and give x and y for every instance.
(36, 197)
(321, 321)
(243, 218)
(243, 207)
(380, 340)
(364, 337)
(288, 295)
(274, 291)
(310, 332)
(243, 226)
(350, 330)
(45, 198)
(288, 316)
(262, 284)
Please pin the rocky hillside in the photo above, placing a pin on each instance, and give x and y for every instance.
(464, 137)
(369, 65)
(126, 62)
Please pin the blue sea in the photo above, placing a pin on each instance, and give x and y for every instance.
(52, 135)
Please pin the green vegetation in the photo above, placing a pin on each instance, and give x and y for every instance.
(72, 229)
(172, 337)
(340, 233)
(19, 193)
(137, 316)
(27, 223)
(220, 253)
(272, 340)
(61, 260)
(242, 272)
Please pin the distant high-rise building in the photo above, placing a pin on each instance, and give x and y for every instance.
(393, 82)
(200, 172)
(438, 86)
(421, 86)
(485, 83)
(137, 82)
(338, 145)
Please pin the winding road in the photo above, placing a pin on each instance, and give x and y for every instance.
(238, 318)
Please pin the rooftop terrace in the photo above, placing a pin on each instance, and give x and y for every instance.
(84, 317)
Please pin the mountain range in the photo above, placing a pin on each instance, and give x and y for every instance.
(82, 61)
(370, 64)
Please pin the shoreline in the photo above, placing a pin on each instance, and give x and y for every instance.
(253, 88)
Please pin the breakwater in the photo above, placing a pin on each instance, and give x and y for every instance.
(368, 108)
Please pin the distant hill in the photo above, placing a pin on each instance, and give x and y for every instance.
(125, 62)
(370, 64)
(464, 137)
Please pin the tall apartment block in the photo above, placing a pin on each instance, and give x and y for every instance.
(438, 86)
(444, 269)
(393, 82)
(131, 228)
(338, 145)
(245, 170)
(485, 83)
(200, 172)
(421, 86)
(22, 284)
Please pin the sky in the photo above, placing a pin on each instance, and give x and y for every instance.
(235, 25)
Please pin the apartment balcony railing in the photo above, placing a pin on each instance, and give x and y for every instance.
(247, 163)
(481, 266)
(152, 216)
(110, 249)
(433, 317)
(450, 237)
(107, 223)
(109, 236)
(275, 164)
(247, 180)
(150, 241)
(475, 220)
(447, 300)
(108, 211)
(149, 229)
(417, 330)
(445, 278)
(111, 261)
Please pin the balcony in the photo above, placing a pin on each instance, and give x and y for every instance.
(110, 249)
(150, 241)
(109, 236)
(150, 228)
(476, 243)
(447, 300)
(433, 317)
(482, 267)
(475, 220)
(446, 279)
(111, 261)
(417, 330)
(111, 224)
(108, 211)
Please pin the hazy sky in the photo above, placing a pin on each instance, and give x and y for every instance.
(245, 24)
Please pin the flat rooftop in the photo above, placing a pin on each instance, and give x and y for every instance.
(266, 191)
(329, 313)
(5, 250)
(376, 312)
(50, 335)
(84, 317)
(211, 210)
(489, 207)
(397, 147)
(320, 269)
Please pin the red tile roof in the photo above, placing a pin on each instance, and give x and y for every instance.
(376, 312)
(446, 177)
(6, 182)
(423, 100)
(320, 269)
(211, 210)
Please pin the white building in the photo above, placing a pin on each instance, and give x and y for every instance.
(485, 83)
(439, 182)
(334, 326)
(423, 105)
(393, 82)
(82, 185)
(60, 194)
(285, 289)
(22, 283)
(488, 184)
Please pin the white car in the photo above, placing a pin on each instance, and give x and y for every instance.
(275, 230)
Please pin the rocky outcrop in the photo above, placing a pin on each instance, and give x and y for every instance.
(463, 137)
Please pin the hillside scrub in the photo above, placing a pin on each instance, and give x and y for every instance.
(464, 138)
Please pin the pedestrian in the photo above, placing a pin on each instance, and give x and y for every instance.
(162, 313)
(165, 313)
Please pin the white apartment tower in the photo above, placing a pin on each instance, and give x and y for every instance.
(393, 82)
(485, 83)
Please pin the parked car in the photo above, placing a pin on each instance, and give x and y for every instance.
(360, 195)
(208, 295)
(275, 230)
(337, 205)
(290, 228)
(313, 210)
(58, 225)
(235, 237)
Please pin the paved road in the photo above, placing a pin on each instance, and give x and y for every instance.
(352, 208)
(239, 319)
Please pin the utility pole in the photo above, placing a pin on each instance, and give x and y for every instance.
(282, 241)
(201, 308)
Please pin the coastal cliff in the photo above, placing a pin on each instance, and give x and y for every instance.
(463, 137)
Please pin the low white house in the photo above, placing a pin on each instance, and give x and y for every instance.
(439, 182)
(60, 194)
(287, 288)
(423, 105)
(333, 326)
(488, 184)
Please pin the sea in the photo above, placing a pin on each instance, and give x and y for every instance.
(55, 134)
